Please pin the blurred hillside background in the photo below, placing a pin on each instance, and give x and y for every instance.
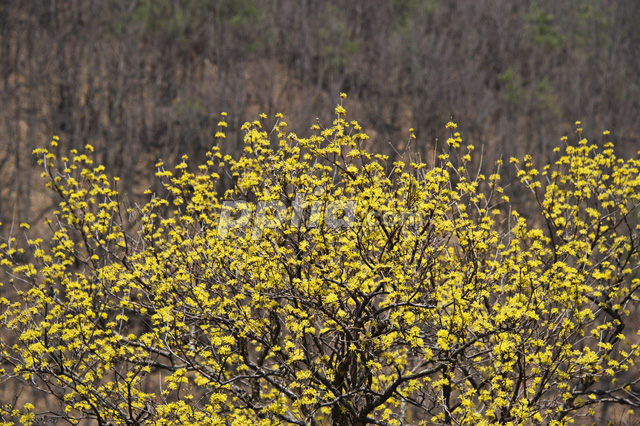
(147, 79)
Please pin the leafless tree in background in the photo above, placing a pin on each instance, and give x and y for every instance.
(142, 80)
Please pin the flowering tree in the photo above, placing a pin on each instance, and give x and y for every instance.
(328, 287)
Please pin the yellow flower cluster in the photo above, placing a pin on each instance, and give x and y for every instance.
(345, 289)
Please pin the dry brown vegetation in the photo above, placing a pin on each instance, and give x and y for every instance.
(142, 80)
